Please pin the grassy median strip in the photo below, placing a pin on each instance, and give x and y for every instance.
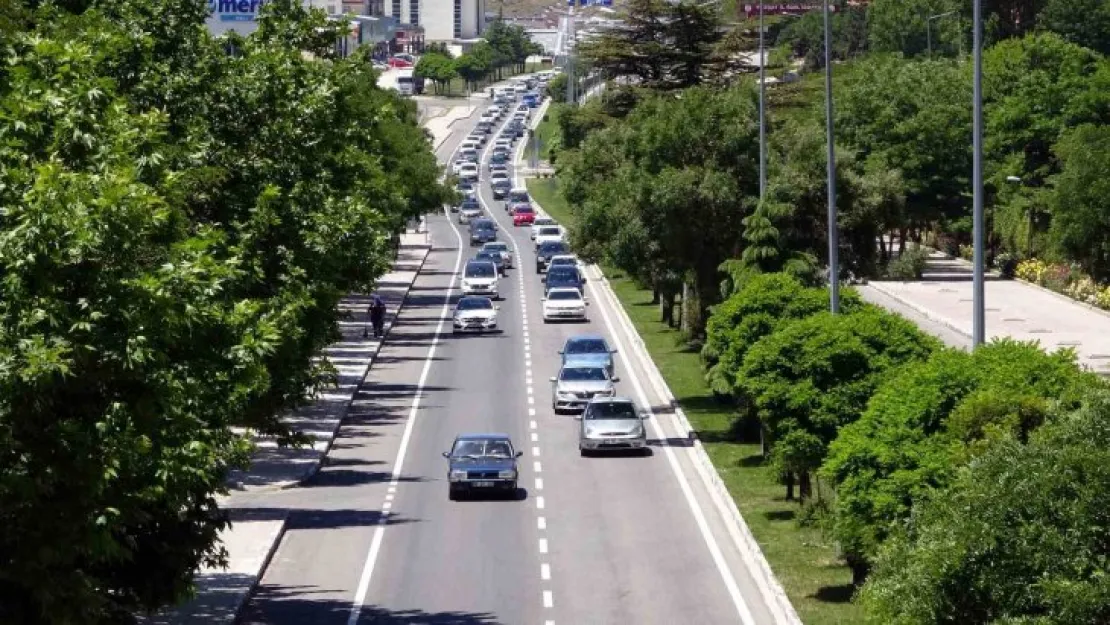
(803, 558)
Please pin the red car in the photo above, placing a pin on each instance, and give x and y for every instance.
(523, 214)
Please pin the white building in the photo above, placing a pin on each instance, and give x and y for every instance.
(443, 20)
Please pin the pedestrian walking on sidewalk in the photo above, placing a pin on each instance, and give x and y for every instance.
(376, 312)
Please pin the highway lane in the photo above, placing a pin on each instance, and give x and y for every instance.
(625, 544)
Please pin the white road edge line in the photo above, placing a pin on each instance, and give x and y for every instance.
(406, 436)
(684, 484)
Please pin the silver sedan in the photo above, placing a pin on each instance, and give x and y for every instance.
(611, 423)
(576, 385)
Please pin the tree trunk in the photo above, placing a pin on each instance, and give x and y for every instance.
(688, 302)
(654, 295)
(805, 486)
(789, 479)
(884, 254)
(666, 308)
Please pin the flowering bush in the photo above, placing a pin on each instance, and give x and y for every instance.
(1104, 298)
(1031, 270)
(1084, 290)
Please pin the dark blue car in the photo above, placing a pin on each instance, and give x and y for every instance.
(481, 462)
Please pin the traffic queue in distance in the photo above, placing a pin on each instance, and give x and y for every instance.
(585, 384)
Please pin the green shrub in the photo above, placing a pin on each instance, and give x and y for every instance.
(815, 375)
(916, 430)
(1019, 537)
(910, 265)
(762, 304)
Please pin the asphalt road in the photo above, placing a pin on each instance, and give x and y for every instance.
(620, 539)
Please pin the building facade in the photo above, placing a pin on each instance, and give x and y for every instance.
(443, 20)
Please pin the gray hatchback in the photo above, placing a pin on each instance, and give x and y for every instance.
(611, 423)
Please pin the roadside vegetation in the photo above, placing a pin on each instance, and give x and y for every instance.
(180, 223)
(855, 438)
(503, 52)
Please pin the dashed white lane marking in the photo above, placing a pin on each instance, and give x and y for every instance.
(536, 452)
(532, 424)
(532, 413)
(389, 497)
(548, 601)
(543, 545)
(541, 523)
(529, 390)
(531, 400)
(391, 489)
(549, 623)
(537, 467)
(387, 505)
(540, 503)
(545, 571)
(535, 437)
(539, 483)
(528, 362)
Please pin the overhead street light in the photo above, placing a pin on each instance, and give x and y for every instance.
(929, 29)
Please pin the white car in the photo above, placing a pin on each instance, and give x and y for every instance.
(457, 165)
(549, 233)
(475, 313)
(539, 223)
(468, 213)
(480, 278)
(468, 172)
(469, 155)
(503, 248)
(503, 142)
(564, 303)
(479, 137)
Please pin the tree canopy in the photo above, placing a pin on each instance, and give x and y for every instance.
(180, 225)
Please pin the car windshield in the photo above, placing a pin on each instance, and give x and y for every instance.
(583, 374)
(482, 448)
(497, 247)
(488, 255)
(587, 346)
(475, 303)
(550, 249)
(544, 221)
(517, 196)
(482, 269)
(611, 410)
(564, 295)
(523, 208)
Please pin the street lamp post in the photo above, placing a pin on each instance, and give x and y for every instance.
(929, 29)
(762, 109)
(978, 295)
(834, 250)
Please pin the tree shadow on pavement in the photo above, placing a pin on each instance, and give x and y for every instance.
(298, 605)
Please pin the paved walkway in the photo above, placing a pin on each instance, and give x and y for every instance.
(1014, 309)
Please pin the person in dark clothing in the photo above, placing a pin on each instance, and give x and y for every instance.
(376, 312)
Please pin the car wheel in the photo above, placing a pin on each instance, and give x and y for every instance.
(452, 493)
(582, 451)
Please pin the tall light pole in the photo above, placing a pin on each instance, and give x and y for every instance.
(978, 295)
(834, 243)
(929, 29)
(762, 110)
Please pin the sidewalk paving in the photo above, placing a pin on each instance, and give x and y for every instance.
(1014, 309)
(251, 542)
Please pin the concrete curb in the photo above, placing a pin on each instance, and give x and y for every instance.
(315, 468)
(751, 552)
(1066, 298)
(278, 537)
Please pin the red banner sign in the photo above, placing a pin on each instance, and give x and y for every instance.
(782, 9)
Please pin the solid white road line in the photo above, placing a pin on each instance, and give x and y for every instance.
(684, 484)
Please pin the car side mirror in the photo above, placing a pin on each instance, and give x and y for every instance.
(645, 415)
(577, 417)
(560, 352)
(519, 454)
(613, 351)
(446, 454)
(552, 378)
(497, 308)
(616, 378)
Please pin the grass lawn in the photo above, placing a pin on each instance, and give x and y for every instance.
(803, 559)
(547, 131)
(545, 191)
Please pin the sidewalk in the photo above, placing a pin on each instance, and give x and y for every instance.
(1014, 309)
(251, 542)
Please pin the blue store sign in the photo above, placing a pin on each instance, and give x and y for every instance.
(235, 10)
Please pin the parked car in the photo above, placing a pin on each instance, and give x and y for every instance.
(481, 462)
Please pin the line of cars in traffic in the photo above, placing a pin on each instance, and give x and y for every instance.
(585, 382)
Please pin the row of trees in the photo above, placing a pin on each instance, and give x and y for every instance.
(504, 48)
(925, 449)
(180, 224)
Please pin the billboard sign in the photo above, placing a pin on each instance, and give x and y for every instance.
(238, 15)
(783, 9)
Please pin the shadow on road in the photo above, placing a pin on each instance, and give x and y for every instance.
(307, 605)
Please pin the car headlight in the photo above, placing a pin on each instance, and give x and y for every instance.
(590, 432)
(507, 475)
(457, 475)
(492, 321)
(565, 395)
(607, 391)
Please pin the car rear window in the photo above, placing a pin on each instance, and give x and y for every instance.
(480, 269)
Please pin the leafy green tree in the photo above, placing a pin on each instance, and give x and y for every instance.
(476, 65)
(1081, 199)
(1018, 537)
(1082, 22)
(180, 228)
(923, 425)
(900, 26)
(439, 68)
(814, 376)
(806, 35)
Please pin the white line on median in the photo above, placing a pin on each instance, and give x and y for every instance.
(684, 484)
